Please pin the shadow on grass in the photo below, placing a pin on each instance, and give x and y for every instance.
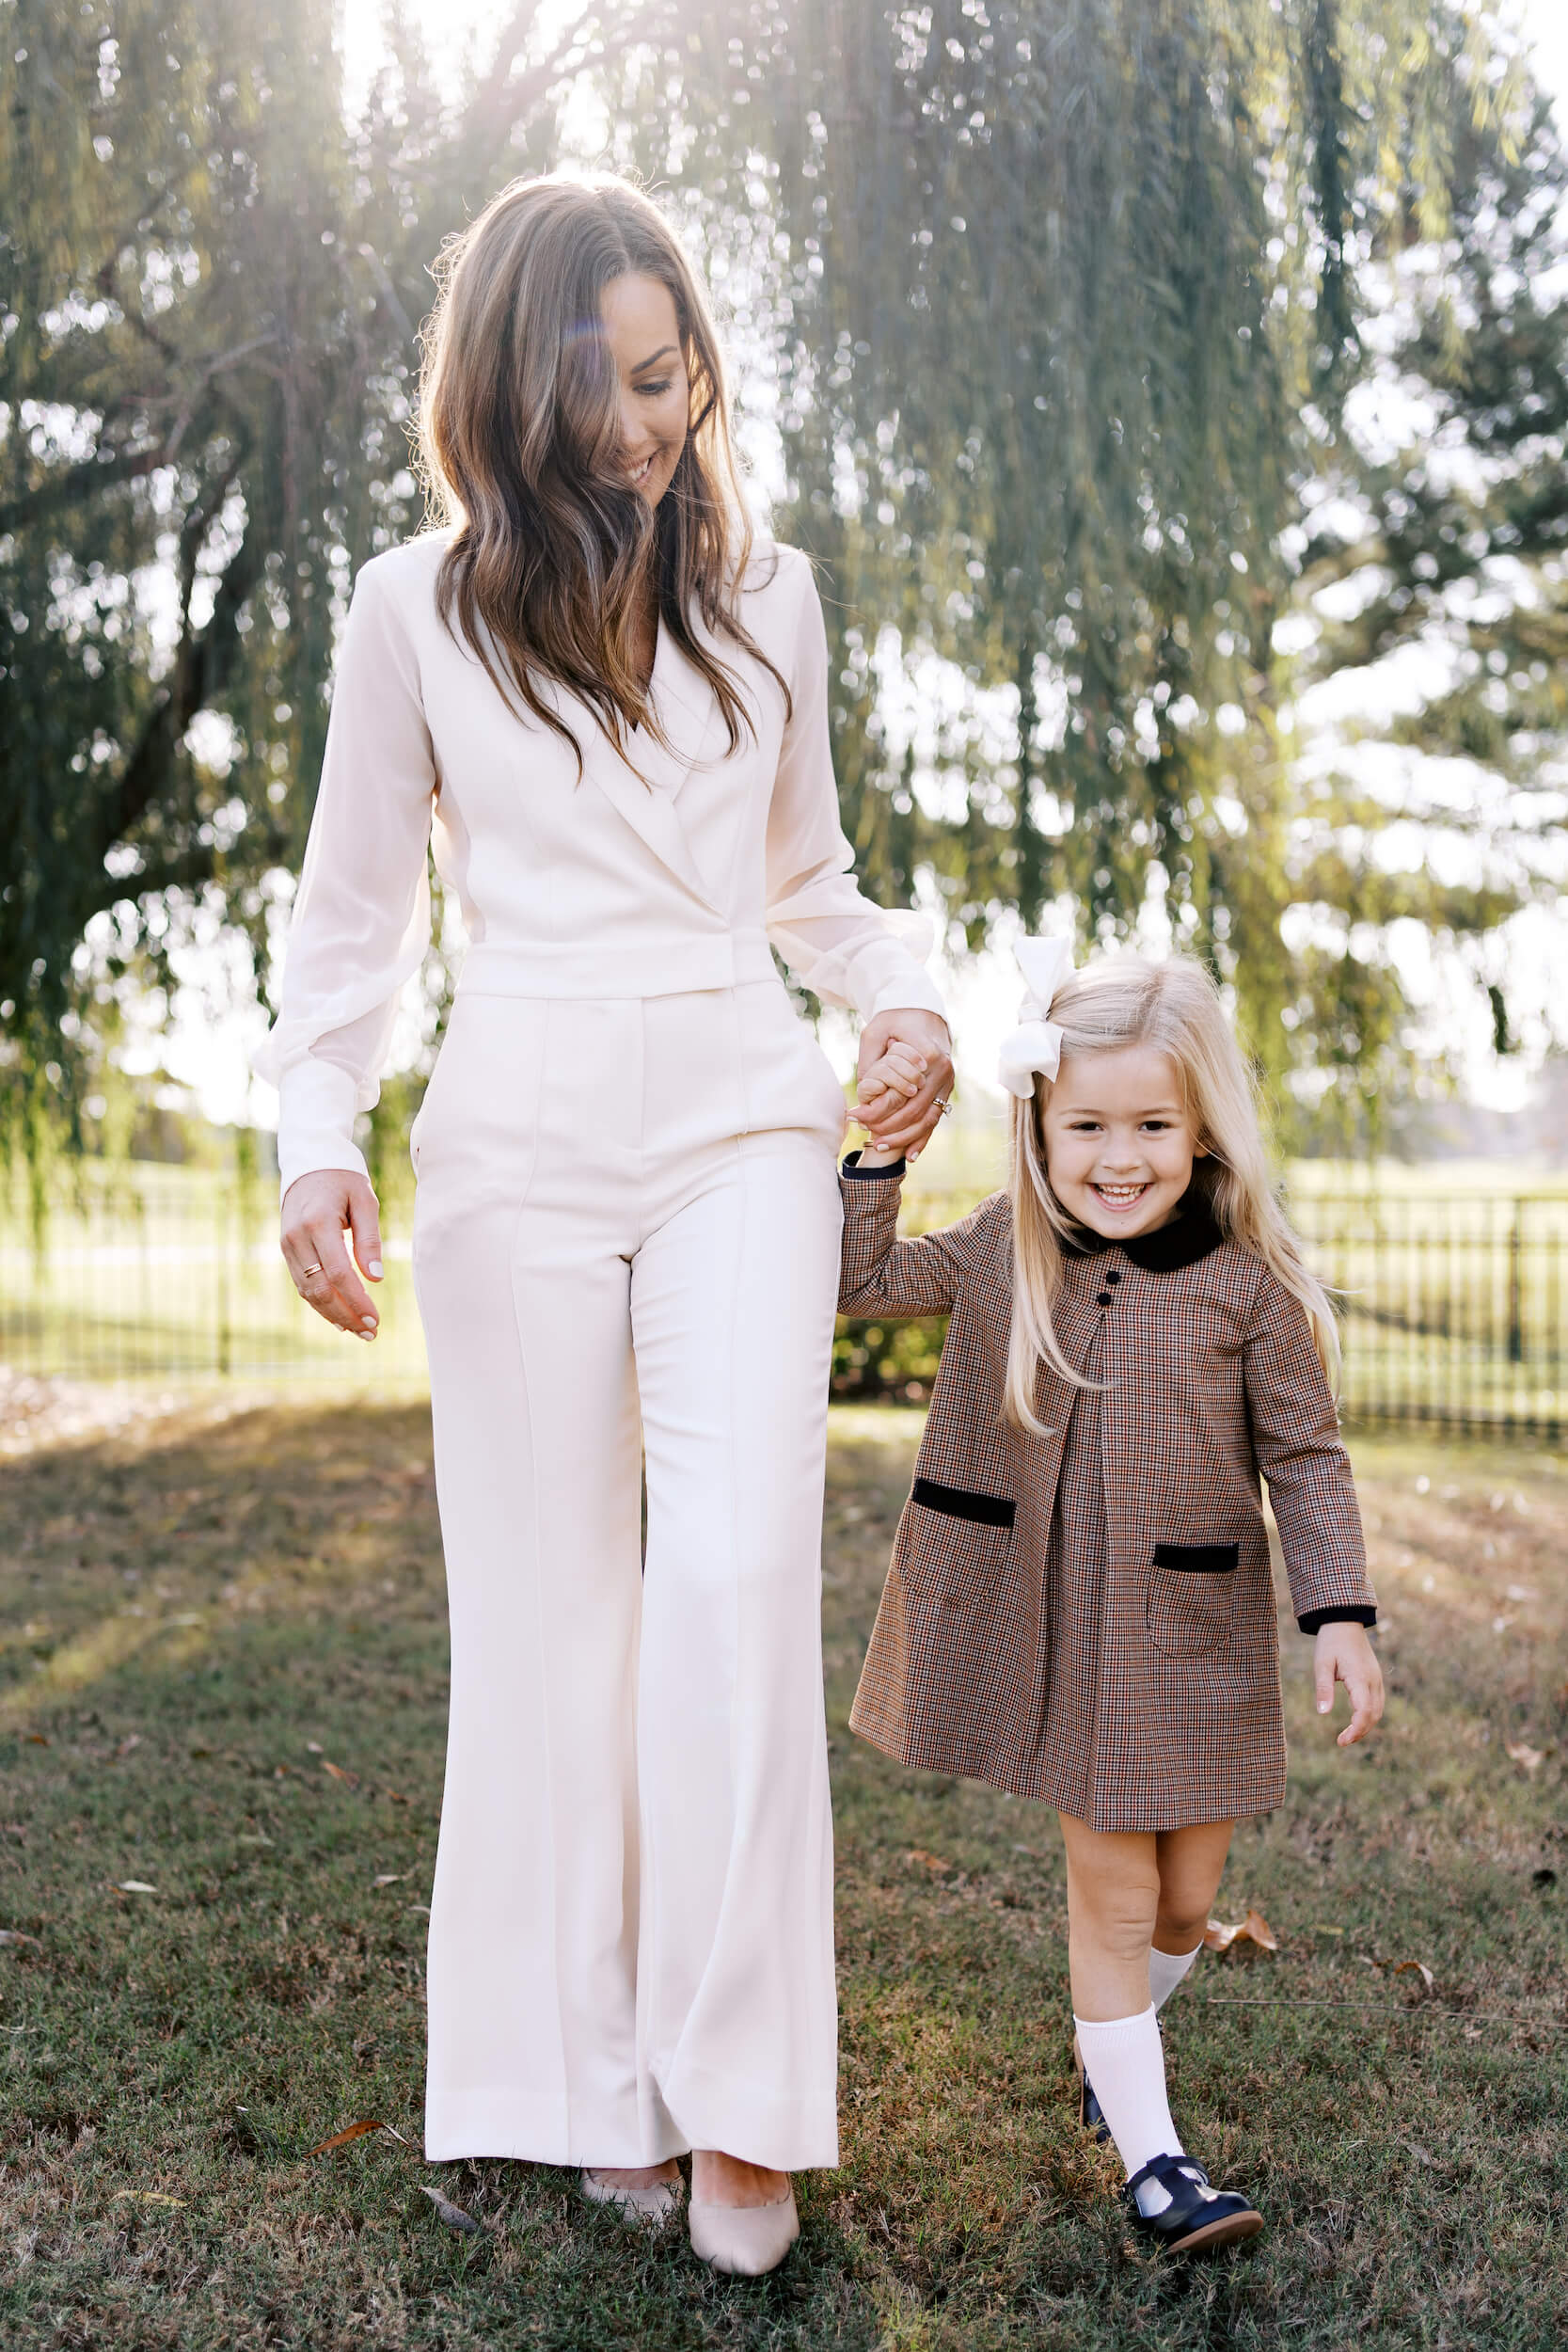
(222, 1678)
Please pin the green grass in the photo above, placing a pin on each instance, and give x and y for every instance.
(193, 1597)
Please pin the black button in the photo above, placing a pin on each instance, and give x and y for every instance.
(1113, 1277)
(1105, 1299)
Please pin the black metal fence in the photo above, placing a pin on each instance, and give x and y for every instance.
(1451, 1310)
(1452, 1303)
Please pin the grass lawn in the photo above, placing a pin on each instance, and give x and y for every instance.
(222, 1675)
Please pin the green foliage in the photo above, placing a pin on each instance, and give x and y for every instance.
(1065, 303)
(209, 290)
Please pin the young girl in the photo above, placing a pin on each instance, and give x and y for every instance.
(1080, 1607)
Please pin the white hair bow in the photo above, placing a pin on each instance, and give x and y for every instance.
(1035, 1047)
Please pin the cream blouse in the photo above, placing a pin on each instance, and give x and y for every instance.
(676, 867)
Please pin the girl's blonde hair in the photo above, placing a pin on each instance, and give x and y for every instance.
(1175, 1008)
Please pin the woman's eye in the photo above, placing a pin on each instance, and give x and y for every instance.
(653, 391)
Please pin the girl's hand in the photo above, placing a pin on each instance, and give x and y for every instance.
(1343, 1653)
(318, 1210)
(899, 1122)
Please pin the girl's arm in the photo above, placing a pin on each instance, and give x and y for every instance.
(1295, 1436)
(883, 1278)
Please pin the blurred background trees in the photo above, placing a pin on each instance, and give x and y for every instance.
(1132, 367)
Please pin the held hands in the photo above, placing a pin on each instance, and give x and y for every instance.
(905, 1078)
(318, 1210)
(1343, 1653)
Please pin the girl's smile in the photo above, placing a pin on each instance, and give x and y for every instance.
(1119, 1140)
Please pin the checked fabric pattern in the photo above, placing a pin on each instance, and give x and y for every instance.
(1113, 1651)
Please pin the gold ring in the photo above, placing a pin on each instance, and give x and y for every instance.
(944, 1106)
(308, 1271)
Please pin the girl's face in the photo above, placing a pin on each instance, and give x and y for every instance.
(1119, 1140)
(644, 335)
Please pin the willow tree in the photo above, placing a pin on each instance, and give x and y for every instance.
(1068, 310)
(1062, 301)
(210, 291)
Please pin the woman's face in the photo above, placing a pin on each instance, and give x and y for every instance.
(644, 335)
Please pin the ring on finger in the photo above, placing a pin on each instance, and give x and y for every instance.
(309, 1270)
(944, 1106)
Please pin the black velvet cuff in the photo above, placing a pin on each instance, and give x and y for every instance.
(1351, 1613)
(852, 1167)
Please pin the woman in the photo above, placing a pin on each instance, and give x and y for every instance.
(627, 1236)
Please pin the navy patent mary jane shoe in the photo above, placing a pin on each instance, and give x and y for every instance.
(1090, 2114)
(1193, 2215)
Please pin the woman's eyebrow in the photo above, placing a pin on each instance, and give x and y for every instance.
(659, 354)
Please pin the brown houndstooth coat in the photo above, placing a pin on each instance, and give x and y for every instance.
(1171, 1706)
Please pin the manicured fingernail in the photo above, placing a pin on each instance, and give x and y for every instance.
(374, 1269)
(366, 1336)
(367, 1323)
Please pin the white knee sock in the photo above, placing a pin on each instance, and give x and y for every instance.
(1165, 1972)
(1126, 2064)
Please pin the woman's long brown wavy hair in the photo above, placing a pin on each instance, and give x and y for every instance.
(548, 569)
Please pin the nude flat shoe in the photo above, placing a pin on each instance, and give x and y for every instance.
(744, 2241)
(649, 2207)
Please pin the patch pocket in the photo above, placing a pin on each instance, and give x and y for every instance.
(952, 1561)
(1188, 1609)
(961, 1502)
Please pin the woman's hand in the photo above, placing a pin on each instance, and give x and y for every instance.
(1343, 1653)
(900, 1115)
(318, 1210)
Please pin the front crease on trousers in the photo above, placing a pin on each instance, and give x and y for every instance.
(626, 1242)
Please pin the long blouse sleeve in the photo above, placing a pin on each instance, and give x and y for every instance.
(361, 919)
(835, 941)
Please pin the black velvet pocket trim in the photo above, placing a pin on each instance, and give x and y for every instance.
(1203, 1559)
(957, 1502)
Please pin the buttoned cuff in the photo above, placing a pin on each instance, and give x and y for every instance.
(852, 1167)
(317, 1103)
(1349, 1613)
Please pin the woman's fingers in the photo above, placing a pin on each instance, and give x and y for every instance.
(907, 1126)
(365, 1223)
(317, 1214)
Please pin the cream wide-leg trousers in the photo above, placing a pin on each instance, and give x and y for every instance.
(627, 1243)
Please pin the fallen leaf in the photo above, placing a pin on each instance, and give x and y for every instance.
(196, 1753)
(1420, 1968)
(927, 1861)
(350, 1779)
(313, 1747)
(389, 1878)
(14, 1935)
(1318, 1928)
(146, 2197)
(131, 1886)
(131, 1739)
(396, 1799)
(1522, 1753)
(355, 2131)
(1422, 2155)
(454, 2216)
(1254, 1929)
(252, 1837)
(37, 1739)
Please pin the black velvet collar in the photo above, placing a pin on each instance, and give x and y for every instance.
(1191, 1234)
